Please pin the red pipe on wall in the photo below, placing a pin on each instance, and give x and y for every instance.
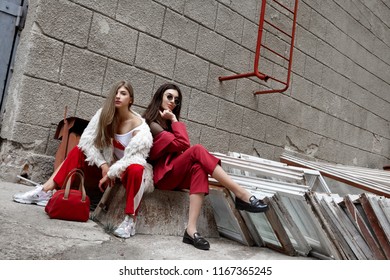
(256, 71)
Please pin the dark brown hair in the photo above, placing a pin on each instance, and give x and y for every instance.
(152, 112)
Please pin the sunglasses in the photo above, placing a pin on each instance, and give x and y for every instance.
(170, 98)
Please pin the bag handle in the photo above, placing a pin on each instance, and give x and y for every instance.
(68, 180)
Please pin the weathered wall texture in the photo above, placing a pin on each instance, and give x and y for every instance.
(336, 109)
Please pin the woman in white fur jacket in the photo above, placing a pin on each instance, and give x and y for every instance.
(114, 145)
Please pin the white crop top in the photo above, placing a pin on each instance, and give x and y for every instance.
(121, 141)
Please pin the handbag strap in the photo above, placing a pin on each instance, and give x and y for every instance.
(68, 181)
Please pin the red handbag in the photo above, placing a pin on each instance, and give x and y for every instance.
(70, 204)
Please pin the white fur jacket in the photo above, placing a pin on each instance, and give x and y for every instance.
(136, 151)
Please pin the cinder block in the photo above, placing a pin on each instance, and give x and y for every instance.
(210, 45)
(304, 141)
(88, 105)
(44, 57)
(275, 132)
(215, 140)
(177, 5)
(203, 108)
(304, 14)
(106, 7)
(180, 31)
(83, 69)
(318, 23)
(142, 81)
(112, 39)
(31, 135)
(290, 111)
(204, 12)
(334, 82)
(249, 37)
(191, 70)
(155, 55)
(248, 8)
(298, 64)
(314, 70)
(194, 131)
(230, 117)
(144, 15)
(241, 144)
(302, 89)
(42, 103)
(253, 125)
(237, 58)
(328, 125)
(306, 41)
(377, 125)
(245, 94)
(229, 23)
(326, 101)
(264, 150)
(65, 21)
(225, 89)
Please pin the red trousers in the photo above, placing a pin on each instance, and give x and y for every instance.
(190, 171)
(131, 178)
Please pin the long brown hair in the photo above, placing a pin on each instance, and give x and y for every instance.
(152, 112)
(108, 119)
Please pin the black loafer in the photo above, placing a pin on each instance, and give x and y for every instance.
(255, 205)
(198, 241)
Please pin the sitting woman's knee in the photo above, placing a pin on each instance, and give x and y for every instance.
(198, 148)
(135, 169)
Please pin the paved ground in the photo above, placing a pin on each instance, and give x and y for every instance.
(26, 233)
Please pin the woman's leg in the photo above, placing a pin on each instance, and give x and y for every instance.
(76, 159)
(42, 193)
(244, 200)
(211, 165)
(196, 202)
(50, 185)
(189, 173)
(221, 176)
(132, 182)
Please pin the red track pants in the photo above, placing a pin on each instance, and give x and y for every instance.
(131, 178)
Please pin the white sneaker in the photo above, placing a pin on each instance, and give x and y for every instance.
(126, 229)
(36, 196)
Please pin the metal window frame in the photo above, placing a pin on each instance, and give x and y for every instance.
(229, 221)
(292, 196)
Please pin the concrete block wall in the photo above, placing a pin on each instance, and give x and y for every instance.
(337, 107)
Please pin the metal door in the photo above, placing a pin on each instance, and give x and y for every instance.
(11, 23)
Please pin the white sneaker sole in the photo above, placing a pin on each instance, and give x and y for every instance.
(39, 203)
(123, 235)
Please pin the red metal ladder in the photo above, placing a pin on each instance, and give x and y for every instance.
(260, 45)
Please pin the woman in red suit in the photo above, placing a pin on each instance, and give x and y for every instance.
(177, 165)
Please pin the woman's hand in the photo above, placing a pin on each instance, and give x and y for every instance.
(104, 167)
(168, 115)
(105, 181)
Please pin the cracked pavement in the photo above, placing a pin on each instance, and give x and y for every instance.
(27, 233)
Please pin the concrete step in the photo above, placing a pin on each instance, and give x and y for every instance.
(161, 213)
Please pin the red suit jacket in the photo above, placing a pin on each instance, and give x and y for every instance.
(166, 146)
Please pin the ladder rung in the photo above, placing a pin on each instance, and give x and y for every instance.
(278, 54)
(277, 28)
(280, 4)
(273, 78)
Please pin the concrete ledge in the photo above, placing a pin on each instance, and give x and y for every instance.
(161, 213)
